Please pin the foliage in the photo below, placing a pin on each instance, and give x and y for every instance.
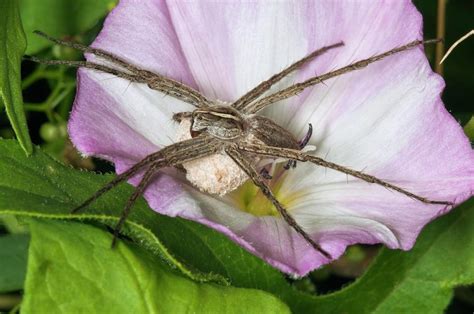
(110, 281)
(12, 47)
(13, 259)
(46, 189)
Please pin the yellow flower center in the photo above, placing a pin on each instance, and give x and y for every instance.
(249, 198)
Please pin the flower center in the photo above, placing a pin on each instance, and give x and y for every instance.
(249, 198)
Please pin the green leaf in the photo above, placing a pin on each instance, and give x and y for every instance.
(424, 277)
(60, 18)
(72, 269)
(13, 251)
(12, 47)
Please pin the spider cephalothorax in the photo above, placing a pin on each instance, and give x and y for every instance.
(218, 173)
(234, 131)
(226, 123)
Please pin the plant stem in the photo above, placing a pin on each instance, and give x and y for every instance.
(38, 74)
(440, 33)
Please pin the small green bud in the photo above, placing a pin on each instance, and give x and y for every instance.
(50, 132)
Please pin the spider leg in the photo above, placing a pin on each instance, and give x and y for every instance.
(261, 88)
(172, 155)
(153, 80)
(133, 198)
(98, 52)
(258, 180)
(299, 87)
(89, 65)
(117, 180)
(300, 156)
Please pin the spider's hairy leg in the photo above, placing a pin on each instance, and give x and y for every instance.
(299, 87)
(153, 80)
(158, 85)
(150, 159)
(171, 155)
(261, 88)
(258, 180)
(133, 198)
(89, 65)
(86, 49)
(300, 156)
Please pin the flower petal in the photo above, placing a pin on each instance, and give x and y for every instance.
(383, 118)
(122, 120)
(370, 119)
(233, 46)
(126, 121)
(386, 120)
(142, 33)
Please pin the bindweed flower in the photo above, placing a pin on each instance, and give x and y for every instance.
(387, 120)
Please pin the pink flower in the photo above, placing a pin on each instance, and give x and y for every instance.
(387, 119)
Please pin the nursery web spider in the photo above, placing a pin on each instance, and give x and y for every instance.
(235, 130)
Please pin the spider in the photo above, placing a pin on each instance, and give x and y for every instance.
(235, 130)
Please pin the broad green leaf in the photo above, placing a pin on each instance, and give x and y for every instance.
(13, 252)
(72, 269)
(442, 258)
(60, 18)
(12, 47)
